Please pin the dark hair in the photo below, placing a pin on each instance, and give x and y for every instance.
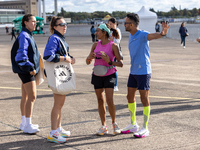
(115, 33)
(53, 23)
(134, 17)
(26, 18)
(113, 20)
(182, 24)
(91, 27)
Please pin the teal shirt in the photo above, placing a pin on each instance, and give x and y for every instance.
(139, 53)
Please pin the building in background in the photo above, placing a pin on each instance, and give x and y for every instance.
(9, 10)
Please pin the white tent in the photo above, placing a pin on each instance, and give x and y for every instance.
(148, 20)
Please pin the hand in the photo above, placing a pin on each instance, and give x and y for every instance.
(91, 56)
(33, 72)
(72, 61)
(68, 59)
(165, 28)
(105, 57)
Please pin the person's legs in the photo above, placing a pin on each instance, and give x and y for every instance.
(111, 106)
(59, 101)
(30, 89)
(132, 104)
(55, 135)
(23, 100)
(144, 95)
(22, 107)
(101, 105)
(183, 40)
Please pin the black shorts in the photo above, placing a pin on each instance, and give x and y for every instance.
(103, 82)
(26, 77)
(141, 82)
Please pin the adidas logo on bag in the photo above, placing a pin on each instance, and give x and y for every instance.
(62, 74)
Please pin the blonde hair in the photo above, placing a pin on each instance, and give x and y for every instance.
(53, 23)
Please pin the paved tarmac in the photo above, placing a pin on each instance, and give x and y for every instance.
(174, 95)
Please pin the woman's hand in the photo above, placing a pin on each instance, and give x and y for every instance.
(105, 57)
(72, 61)
(68, 59)
(90, 57)
(33, 72)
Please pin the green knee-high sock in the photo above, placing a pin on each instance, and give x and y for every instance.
(146, 114)
(132, 109)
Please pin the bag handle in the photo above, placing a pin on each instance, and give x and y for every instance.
(63, 45)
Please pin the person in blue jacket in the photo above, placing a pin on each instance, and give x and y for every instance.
(183, 33)
(55, 52)
(25, 61)
(93, 31)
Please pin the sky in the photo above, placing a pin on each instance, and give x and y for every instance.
(119, 5)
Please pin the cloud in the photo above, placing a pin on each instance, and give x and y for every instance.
(119, 5)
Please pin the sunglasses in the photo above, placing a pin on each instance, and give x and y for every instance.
(62, 24)
(127, 23)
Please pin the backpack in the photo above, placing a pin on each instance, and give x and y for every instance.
(14, 49)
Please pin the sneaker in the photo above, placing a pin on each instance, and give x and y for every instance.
(30, 129)
(64, 133)
(130, 128)
(116, 129)
(22, 126)
(184, 47)
(116, 88)
(142, 133)
(56, 138)
(181, 44)
(103, 130)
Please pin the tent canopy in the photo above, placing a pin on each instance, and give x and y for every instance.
(20, 19)
(148, 19)
(144, 13)
(107, 17)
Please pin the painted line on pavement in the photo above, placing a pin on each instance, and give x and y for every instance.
(161, 97)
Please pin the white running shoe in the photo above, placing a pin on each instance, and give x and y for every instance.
(30, 129)
(116, 129)
(56, 138)
(64, 133)
(22, 126)
(130, 128)
(184, 47)
(103, 130)
(116, 88)
(141, 133)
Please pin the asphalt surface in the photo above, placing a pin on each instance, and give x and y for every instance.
(174, 96)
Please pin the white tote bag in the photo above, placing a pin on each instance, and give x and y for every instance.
(60, 76)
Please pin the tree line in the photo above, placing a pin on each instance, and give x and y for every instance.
(174, 13)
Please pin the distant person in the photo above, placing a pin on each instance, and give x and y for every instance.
(157, 27)
(93, 31)
(183, 33)
(13, 33)
(198, 39)
(140, 72)
(26, 64)
(7, 30)
(116, 39)
(55, 52)
(103, 52)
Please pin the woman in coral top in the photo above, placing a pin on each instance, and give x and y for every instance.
(103, 52)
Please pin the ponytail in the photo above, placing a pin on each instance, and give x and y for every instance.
(115, 33)
(54, 20)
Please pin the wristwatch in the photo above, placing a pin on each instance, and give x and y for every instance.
(110, 63)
